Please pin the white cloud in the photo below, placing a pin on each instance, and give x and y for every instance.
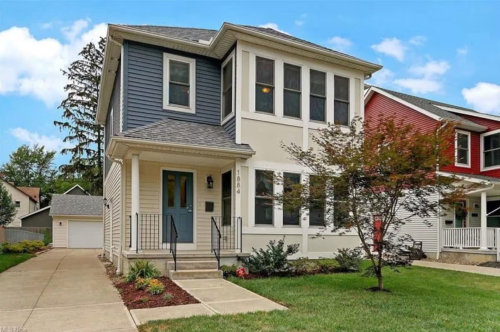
(273, 26)
(463, 51)
(484, 97)
(431, 69)
(420, 85)
(391, 47)
(51, 143)
(339, 44)
(418, 40)
(383, 77)
(32, 67)
(299, 23)
(74, 30)
(47, 25)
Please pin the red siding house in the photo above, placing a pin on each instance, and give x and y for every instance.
(473, 235)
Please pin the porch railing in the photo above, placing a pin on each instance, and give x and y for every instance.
(469, 237)
(153, 231)
(230, 232)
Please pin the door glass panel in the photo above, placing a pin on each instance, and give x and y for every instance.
(183, 191)
(171, 190)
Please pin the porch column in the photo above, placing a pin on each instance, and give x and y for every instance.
(484, 229)
(135, 199)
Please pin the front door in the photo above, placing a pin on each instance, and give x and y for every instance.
(178, 203)
(461, 214)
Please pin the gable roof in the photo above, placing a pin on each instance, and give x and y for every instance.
(76, 205)
(189, 34)
(76, 186)
(188, 134)
(31, 192)
(425, 106)
(34, 212)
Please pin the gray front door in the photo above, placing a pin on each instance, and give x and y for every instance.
(178, 203)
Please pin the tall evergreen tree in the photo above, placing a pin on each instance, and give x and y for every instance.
(7, 207)
(31, 167)
(79, 117)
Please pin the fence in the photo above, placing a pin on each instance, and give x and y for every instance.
(18, 235)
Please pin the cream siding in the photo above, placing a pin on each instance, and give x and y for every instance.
(113, 195)
(151, 190)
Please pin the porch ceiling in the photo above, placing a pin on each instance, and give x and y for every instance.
(184, 159)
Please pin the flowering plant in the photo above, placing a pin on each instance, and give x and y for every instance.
(241, 272)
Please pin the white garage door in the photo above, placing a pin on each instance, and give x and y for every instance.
(85, 234)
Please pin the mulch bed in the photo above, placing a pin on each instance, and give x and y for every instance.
(495, 265)
(140, 298)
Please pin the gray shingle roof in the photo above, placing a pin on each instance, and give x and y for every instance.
(76, 205)
(186, 133)
(428, 105)
(195, 35)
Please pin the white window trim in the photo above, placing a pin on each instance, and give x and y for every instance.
(230, 115)
(482, 136)
(192, 83)
(255, 197)
(457, 164)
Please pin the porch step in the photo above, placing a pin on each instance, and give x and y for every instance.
(193, 265)
(195, 274)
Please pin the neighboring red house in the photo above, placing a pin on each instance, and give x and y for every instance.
(477, 160)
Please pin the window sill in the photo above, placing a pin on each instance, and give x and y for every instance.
(173, 108)
(227, 118)
(490, 168)
(462, 165)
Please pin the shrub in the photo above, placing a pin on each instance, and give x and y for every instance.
(31, 246)
(228, 271)
(168, 296)
(142, 269)
(47, 237)
(327, 265)
(273, 260)
(142, 283)
(155, 287)
(349, 260)
(144, 299)
(303, 265)
(9, 248)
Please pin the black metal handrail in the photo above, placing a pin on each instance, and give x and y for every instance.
(230, 229)
(130, 232)
(153, 231)
(216, 241)
(173, 241)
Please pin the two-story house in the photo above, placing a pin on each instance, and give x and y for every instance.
(193, 122)
(469, 231)
(26, 199)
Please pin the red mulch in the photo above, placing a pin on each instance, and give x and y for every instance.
(136, 298)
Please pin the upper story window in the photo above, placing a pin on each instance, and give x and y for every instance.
(227, 88)
(317, 102)
(462, 149)
(179, 75)
(291, 93)
(264, 85)
(491, 150)
(264, 191)
(341, 104)
(18, 204)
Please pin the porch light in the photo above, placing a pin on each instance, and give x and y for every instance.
(210, 182)
(105, 201)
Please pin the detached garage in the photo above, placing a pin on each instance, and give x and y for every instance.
(77, 221)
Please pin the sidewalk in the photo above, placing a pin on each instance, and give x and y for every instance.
(458, 267)
(216, 296)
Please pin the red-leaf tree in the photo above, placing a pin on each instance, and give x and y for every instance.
(386, 169)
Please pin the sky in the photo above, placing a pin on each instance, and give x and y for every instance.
(443, 50)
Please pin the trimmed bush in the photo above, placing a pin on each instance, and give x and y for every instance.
(9, 248)
(32, 246)
(349, 260)
(142, 269)
(47, 236)
(273, 260)
(327, 265)
(228, 271)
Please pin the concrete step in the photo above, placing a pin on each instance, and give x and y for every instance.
(195, 274)
(193, 265)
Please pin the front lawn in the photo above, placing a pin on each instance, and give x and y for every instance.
(421, 299)
(9, 260)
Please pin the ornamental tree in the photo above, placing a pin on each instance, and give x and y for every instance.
(384, 170)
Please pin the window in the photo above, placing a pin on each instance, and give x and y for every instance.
(291, 93)
(341, 104)
(340, 212)
(226, 199)
(317, 201)
(18, 204)
(264, 87)
(227, 88)
(179, 83)
(291, 214)
(462, 149)
(491, 150)
(264, 197)
(317, 102)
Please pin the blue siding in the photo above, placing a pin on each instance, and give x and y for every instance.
(143, 87)
(230, 127)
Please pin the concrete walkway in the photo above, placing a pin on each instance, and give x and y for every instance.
(216, 296)
(458, 267)
(62, 290)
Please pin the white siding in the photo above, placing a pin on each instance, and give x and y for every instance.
(113, 189)
(27, 205)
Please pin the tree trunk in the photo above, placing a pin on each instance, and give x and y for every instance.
(380, 281)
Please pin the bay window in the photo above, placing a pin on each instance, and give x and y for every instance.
(264, 191)
(291, 93)
(317, 102)
(264, 86)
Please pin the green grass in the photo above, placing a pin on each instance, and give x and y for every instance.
(9, 260)
(421, 299)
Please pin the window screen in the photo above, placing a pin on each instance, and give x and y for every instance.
(317, 103)
(264, 87)
(341, 104)
(291, 94)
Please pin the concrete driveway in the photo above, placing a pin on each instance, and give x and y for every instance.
(62, 290)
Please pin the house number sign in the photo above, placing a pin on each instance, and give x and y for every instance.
(238, 188)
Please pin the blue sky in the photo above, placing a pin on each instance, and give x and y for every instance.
(443, 50)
